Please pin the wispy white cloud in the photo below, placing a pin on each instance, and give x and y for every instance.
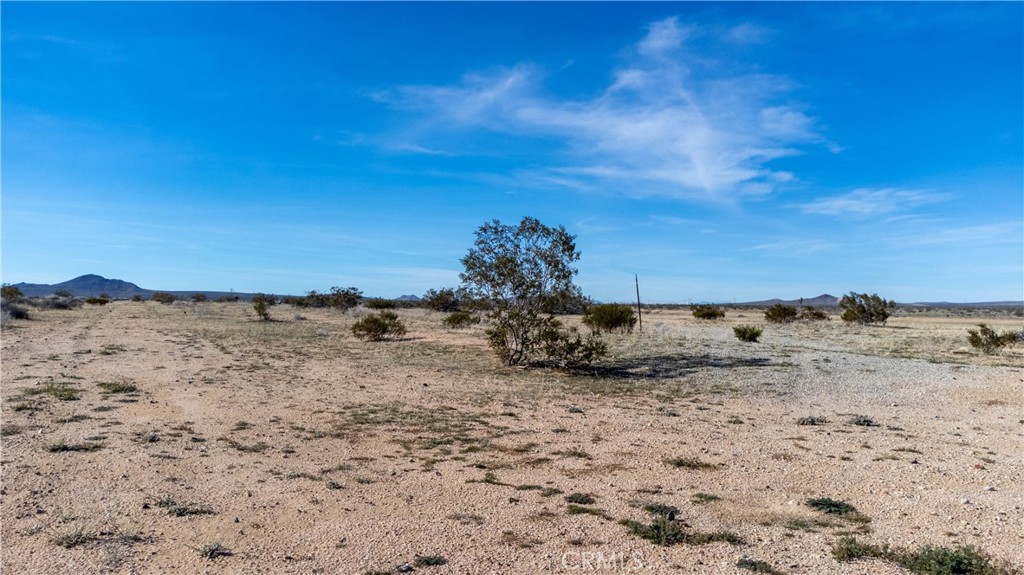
(870, 202)
(672, 121)
(980, 234)
(747, 33)
(794, 247)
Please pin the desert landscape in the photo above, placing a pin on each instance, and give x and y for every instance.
(194, 438)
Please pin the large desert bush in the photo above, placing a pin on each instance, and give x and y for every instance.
(461, 319)
(10, 293)
(610, 317)
(781, 313)
(443, 300)
(164, 297)
(987, 340)
(341, 299)
(707, 311)
(522, 273)
(864, 308)
(378, 327)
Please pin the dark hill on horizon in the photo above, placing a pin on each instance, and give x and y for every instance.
(92, 285)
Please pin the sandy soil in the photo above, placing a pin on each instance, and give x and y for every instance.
(296, 448)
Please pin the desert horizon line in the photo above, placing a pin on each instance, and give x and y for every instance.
(133, 289)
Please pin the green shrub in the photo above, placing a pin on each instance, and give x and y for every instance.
(198, 297)
(747, 333)
(164, 297)
(97, 300)
(988, 341)
(460, 319)
(780, 313)
(261, 309)
(610, 317)
(809, 313)
(380, 303)
(567, 349)
(707, 311)
(443, 300)
(378, 327)
(138, 298)
(863, 308)
(9, 292)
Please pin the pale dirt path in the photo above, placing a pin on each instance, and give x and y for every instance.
(360, 456)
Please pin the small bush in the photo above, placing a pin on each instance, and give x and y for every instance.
(864, 421)
(690, 463)
(138, 298)
(379, 327)
(580, 498)
(260, 307)
(780, 313)
(661, 510)
(660, 532)
(757, 566)
(198, 297)
(707, 311)
(863, 308)
(610, 317)
(460, 319)
(57, 301)
(567, 349)
(101, 300)
(12, 309)
(811, 420)
(747, 333)
(164, 297)
(212, 551)
(988, 341)
(811, 314)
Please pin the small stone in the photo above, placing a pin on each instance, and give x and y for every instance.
(990, 488)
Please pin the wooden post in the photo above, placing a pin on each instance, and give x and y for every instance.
(638, 314)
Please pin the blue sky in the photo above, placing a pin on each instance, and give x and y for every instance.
(722, 151)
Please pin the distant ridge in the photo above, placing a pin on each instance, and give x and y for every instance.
(89, 285)
(823, 300)
(92, 285)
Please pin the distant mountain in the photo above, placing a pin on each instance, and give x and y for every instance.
(409, 298)
(89, 285)
(92, 285)
(823, 300)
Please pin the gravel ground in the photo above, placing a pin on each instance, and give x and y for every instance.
(299, 449)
